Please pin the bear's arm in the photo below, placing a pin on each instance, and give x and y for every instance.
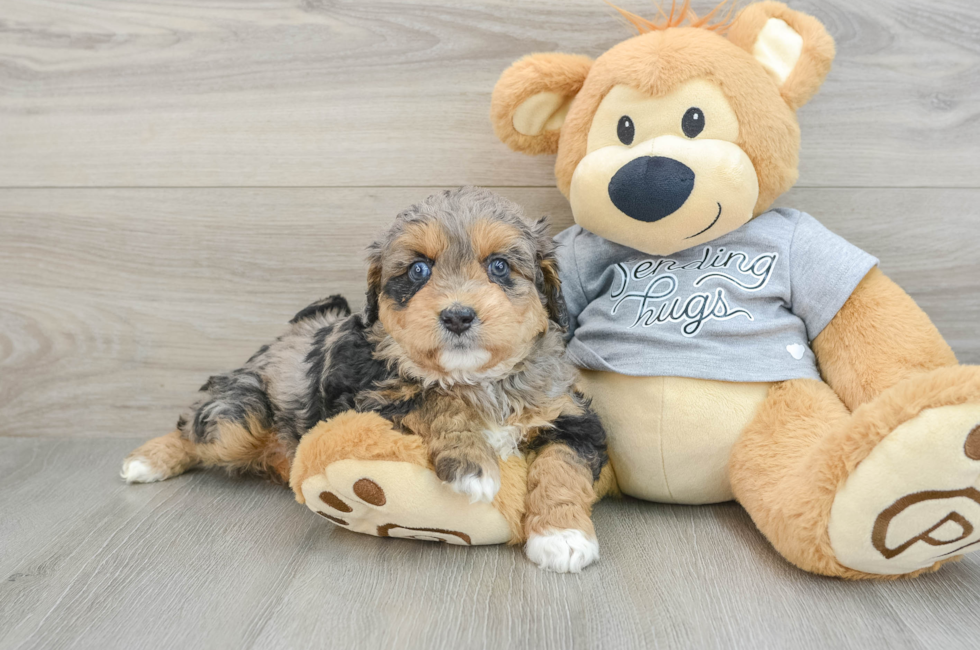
(877, 339)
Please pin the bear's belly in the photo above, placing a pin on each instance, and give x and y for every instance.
(670, 437)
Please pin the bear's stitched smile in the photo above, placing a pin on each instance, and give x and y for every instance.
(710, 226)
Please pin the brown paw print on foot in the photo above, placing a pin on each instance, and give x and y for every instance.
(392, 499)
(371, 493)
(365, 489)
(915, 500)
(948, 531)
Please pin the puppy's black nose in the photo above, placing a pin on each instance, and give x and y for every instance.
(650, 188)
(457, 319)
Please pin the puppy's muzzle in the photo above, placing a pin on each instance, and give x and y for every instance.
(457, 319)
(650, 188)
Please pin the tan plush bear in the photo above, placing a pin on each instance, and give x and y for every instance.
(731, 350)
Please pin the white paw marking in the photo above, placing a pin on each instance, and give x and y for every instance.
(503, 440)
(562, 551)
(796, 350)
(139, 470)
(477, 488)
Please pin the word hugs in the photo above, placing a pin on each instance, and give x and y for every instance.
(664, 291)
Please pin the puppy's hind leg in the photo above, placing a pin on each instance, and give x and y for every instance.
(160, 459)
(230, 426)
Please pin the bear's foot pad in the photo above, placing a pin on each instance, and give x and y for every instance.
(399, 499)
(915, 500)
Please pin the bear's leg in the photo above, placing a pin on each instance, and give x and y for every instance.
(359, 473)
(888, 491)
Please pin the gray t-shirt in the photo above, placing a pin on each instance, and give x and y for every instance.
(742, 308)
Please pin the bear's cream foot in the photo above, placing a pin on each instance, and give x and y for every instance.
(358, 473)
(399, 499)
(915, 499)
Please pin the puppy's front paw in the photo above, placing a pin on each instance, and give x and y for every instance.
(477, 488)
(562, 551)
(480, 481)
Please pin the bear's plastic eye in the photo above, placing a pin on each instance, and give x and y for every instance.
(693, 122)
(625, 130)
(419, 272)
(498, 268)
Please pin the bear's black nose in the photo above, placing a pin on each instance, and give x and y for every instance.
(651, 188)
(457, 319)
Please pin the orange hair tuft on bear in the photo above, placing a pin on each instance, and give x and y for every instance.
(677, 17)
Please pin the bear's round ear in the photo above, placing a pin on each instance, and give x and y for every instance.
(532, 97)
(793, 47)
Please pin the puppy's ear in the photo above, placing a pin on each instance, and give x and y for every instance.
(551, 288)
(533, 96)
(374, 284)
(547, 280)
(793, 47)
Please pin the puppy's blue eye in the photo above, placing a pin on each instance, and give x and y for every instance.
(419, 272)
(498, 268)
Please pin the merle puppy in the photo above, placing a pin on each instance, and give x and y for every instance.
(460, 344)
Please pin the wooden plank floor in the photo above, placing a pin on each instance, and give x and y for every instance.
(178, 177)
(207, 561)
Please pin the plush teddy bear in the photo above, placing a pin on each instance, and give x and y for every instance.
(734, 351)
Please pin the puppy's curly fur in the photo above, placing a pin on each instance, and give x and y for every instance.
(460, 343)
